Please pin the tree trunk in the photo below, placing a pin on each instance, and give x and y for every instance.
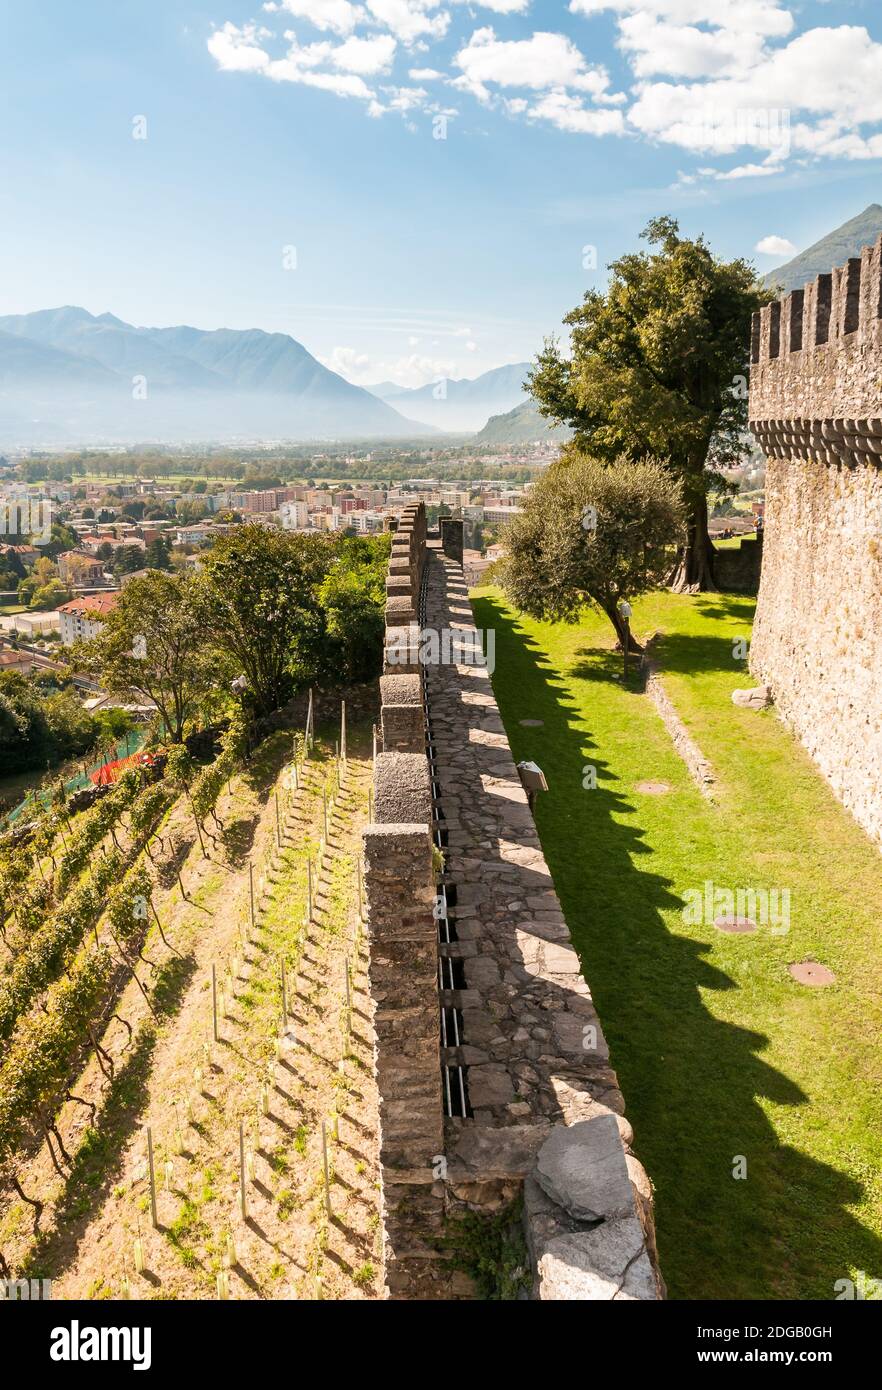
(618, 623)
(694, 570)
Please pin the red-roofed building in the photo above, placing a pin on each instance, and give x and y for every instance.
(82, 617)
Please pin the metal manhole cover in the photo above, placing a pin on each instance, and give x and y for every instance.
(734, 925)
(810, 972)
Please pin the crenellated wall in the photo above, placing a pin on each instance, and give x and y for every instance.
(816, 409)
(493, 1073)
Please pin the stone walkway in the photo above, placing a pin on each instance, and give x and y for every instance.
(532, 1041)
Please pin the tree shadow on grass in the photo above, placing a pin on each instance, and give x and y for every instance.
(698, 1092)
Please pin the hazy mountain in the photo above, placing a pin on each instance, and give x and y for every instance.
(66, 374)
(523, 425)
(463, 404)
(832, 250)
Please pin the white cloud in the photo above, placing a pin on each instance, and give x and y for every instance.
(498, 6)
(365, 56)
(832, 77)
(568, 112)
(775, 246)
(544, 60)
(238, 50)
(409, 19)
(414, 369)
(471, 347)
(743, 171)
(346, 361)
(709, 76)
(339, 16)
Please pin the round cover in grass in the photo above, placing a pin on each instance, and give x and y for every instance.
(734, 925)
(810, 972)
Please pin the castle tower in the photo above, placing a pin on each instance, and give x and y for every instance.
(816, 410)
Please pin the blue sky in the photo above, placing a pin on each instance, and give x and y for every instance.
(565, 126)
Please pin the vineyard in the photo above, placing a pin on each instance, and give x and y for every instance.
(187, 1107)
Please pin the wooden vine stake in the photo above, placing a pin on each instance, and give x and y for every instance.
(243, 1191)
(308, 892)
(152, 1179)
(278, 824)
(251, 892)
(343, 731)
(325, 1169)
(139, 1251)
(325, 807)
(309, 722)
(284, 996)
(214, 1001)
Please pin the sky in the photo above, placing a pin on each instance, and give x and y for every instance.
(414, 188)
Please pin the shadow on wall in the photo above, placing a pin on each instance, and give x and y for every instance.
(694, 1086)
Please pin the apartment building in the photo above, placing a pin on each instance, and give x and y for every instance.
(82, 618)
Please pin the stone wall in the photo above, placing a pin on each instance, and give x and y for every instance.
(816, 408)
(737, 568)
(494, 1077)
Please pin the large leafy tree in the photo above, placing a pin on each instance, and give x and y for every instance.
(153, 643)
(589, 533)
(353, 600)
(658, 369)
(257, 600)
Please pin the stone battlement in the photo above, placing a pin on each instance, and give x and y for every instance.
(816, 365)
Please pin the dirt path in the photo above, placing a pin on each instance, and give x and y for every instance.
(279, 1083)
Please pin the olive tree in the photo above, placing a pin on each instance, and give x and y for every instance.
(592, 533)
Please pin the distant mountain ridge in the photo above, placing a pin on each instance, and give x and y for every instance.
(832, 250)
(460, 404)
(523, 425)
(70, 375)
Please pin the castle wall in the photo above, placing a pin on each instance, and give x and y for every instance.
(494, 1077)
(816, 408)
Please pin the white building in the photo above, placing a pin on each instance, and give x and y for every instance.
(82, 617)
(294, 516)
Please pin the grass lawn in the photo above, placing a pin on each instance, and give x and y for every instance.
(720, 1053)
(734, 541)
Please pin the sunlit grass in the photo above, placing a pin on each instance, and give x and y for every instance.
(719, 1052)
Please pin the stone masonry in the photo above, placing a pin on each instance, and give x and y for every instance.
(544, 1117)
(816, 409)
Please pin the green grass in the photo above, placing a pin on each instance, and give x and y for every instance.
(719, 1052)
(734, 542)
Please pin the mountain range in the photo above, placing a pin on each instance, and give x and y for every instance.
(459, 404)
(68, 376)
(833, 249)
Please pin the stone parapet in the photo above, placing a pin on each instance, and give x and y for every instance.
(816, 358)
